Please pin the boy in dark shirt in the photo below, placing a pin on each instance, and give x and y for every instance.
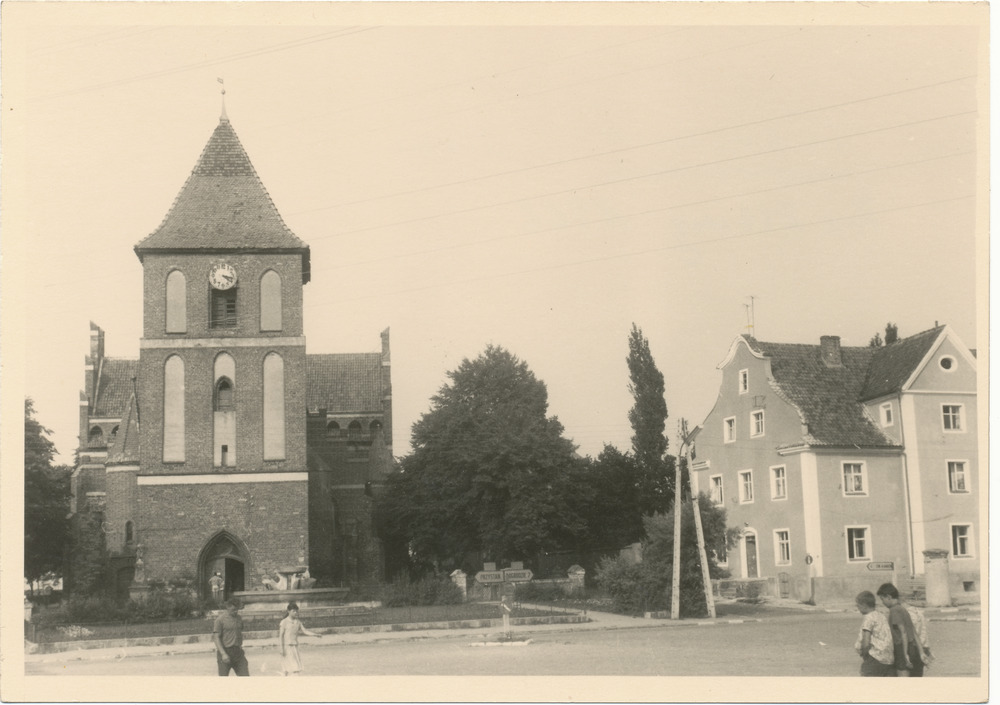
(228, 637)
(909, 663)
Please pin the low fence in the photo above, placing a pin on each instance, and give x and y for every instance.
(40, 631)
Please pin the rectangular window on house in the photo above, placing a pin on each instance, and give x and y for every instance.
(952, 417)
(961, 540)
(779, 489)
(885, 412)
(782, 547)
(717, 496)
(956, 476)
(223, 313)
(744, 381)
(757, 423)
(858, 543)
(746, 486)
(729, 429)
(855, 480)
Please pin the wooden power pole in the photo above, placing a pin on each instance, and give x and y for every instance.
(702, 553)
(675, 593)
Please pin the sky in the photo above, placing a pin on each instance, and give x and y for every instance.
(535, 185)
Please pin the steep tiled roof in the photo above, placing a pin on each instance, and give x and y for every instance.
(826, 397)
(114, 387)
(893, 364)
(344, 382)
(125, 448)
(223, 205)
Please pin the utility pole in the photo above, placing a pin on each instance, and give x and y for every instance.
(675, 593)
(706, 578)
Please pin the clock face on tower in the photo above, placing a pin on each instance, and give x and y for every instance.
(222, 276)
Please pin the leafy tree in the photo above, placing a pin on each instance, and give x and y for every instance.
(876, 341)
(648, 417)
(647, 586)
(490, 473)
(46, 502)
(613, 516)
(891, 333)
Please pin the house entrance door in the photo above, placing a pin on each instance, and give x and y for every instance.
(751, 542)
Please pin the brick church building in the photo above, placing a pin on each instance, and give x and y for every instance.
(226, 447)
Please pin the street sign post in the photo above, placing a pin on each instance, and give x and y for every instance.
(881, 565)
(488, 577)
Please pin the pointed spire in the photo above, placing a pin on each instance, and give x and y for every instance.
(224, 117)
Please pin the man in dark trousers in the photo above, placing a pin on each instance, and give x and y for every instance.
(228, 637)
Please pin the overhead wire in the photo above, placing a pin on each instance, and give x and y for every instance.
(665, 248)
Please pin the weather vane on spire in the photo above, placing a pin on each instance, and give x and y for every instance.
(224, 116)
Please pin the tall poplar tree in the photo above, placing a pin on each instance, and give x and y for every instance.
(648, 417)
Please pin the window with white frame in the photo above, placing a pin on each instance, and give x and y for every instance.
(885, 413)
(744, 381)
(779, 483)
(757, 423)
(951, 417)
(961, 540)
(717, 496)
(956, 477)
(729, 429)
(746, 486)
(855, 478)
(782, 547)
(858, 543)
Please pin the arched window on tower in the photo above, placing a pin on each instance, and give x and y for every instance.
(374, 427)
(114, 435)
(173, 410)
(333, 430)
(270, 301)
(274, 407)
(224, 395)
(96, 437)
(176, 302)
(354, 430)
(224, 405)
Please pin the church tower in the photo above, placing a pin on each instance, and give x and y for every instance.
(222, 482)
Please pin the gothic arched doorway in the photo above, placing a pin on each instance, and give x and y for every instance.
(226, 555)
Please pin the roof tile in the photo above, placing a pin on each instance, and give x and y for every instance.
(223, 205)
(114, 387)
(344, 382)
(893, 364)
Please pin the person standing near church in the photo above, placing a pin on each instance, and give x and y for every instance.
(228, 637)
(216, 583)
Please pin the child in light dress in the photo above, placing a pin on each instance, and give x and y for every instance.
(874, 644)
(288, 638)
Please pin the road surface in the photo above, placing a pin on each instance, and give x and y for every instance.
(808, 644)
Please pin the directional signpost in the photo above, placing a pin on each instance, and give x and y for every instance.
(507, 576)
(881, 565)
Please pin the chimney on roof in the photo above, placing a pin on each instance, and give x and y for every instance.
(829, 348)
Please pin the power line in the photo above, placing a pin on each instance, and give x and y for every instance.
(645, 176)
(641, 252)
(323, 37)
(637, 214)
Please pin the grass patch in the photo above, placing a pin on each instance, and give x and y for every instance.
(252, 623)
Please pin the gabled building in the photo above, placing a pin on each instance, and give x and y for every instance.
(225, 446)
(833, 460)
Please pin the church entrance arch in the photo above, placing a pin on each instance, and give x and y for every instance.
(226, 555)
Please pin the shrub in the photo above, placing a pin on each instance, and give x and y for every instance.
(157, 606)
(430, 590)
(634, 588)
(538, 592)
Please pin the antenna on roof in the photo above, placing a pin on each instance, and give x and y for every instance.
(224, 116)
